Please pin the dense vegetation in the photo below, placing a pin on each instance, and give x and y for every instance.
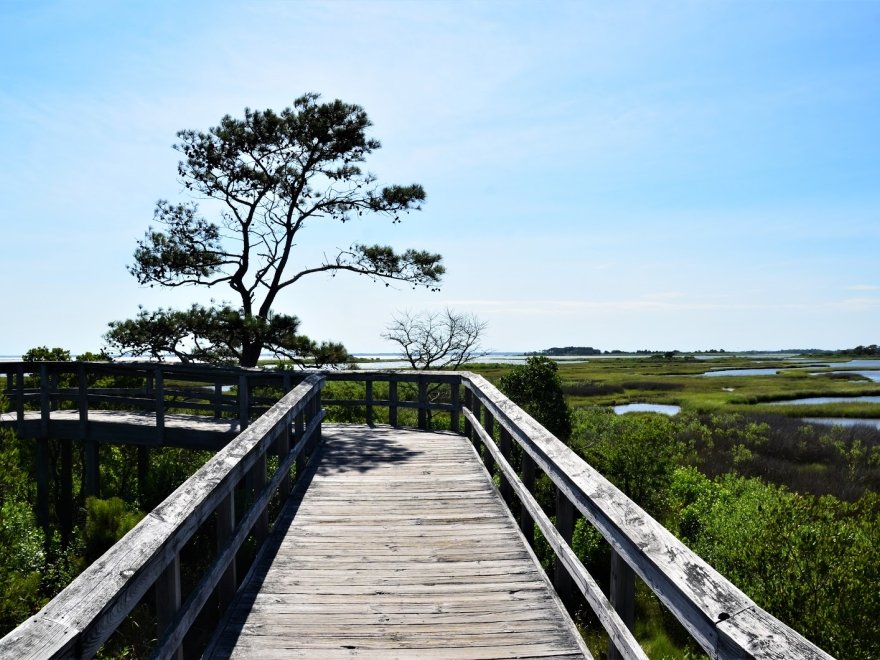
(787, 511)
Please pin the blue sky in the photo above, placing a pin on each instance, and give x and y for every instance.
(686, 175)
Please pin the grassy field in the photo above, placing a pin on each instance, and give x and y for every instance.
(680, 381)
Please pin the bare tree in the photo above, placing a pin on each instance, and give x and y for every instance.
(437, 339)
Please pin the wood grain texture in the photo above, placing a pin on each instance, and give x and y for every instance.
(398, 547)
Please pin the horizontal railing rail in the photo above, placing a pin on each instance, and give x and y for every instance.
(720, 617)
(84, 615)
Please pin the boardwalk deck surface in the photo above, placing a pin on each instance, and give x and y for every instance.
(399, 547)
(121, 427)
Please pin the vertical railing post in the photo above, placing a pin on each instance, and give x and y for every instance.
(368, 397)
(44, 401)
(392, 400)
(469, 404)
(282, 448)
(43, 484)
(455, 397)
(526, 524)
(167, 590)
(261, 527)
(243, 403)
(65, 514)
(565, 518)
(476, 408)
(298, 431)
(225, 525)
(83, 400)
(160, 404)
(19, 397)
(489, 426)
(423, 402)
(316, 402)
(43, 453)
(506, 446)
(622, 597)
(218, 400)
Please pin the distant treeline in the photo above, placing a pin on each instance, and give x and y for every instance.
(556, 351)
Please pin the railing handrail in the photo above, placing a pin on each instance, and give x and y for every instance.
(80, 618)
(721, 618)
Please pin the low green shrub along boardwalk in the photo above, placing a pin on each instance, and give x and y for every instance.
(396, 545)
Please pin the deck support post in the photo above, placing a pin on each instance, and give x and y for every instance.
(65, 498)
(168, 599)
(43, 484)
(392, 403)
(622, 596)
(92, 467)
(143, 461)
(565, 518)
(526, 524)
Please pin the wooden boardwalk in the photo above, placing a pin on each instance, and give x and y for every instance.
(396, 545)
(124, 427)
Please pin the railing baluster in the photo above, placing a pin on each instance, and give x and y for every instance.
(160, 405)
(455, 396)
(168, 598)
(368, 396)
(218, 400)
(225, 525)
(622, 597)
(392, 401)
(565, 518)
(506, 446)
(489, 426)
(469, 404)
(243, 403)
(261, 529)
(526, 524)
(423, 402)
(44, 401)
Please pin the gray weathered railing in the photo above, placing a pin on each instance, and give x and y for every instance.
(83, 616)
(723, 620)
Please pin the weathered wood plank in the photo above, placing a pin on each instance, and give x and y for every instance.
(404, 576)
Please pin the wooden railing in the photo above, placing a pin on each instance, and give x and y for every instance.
(81, 618)
(723, 620)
